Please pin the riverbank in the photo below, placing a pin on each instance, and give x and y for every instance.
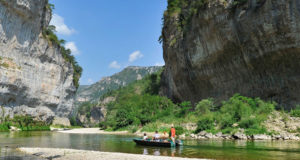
(71, 154)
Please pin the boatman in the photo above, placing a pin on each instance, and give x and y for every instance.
(173, 133)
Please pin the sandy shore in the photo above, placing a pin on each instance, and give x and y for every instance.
(71, 154)
(98, 131)
(91, 131)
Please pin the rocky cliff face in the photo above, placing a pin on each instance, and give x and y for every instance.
(222, 47)
(34, 77)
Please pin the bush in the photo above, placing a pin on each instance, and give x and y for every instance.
(295, 112)
(179, 130)
(73, 121)
(205, 123)
(4, 127)
(256, 129)
(228, 130)
(123, 118)
(247, 113)
(150, 127)
(35, 128)
(25, 123)
(185, 107)
(205, 106)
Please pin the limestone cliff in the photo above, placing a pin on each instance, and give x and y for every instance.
(220, 47)
(34, 77)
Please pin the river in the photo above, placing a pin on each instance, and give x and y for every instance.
(215, 149)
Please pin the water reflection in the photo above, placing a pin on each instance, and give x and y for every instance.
(145, 152)
(162, 151)
(215, 149)
(7, 153)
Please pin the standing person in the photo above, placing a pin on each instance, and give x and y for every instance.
(173, 133)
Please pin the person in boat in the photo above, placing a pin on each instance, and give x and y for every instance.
(165, 135)
(173, 134)
(145, 137)
(156, 136)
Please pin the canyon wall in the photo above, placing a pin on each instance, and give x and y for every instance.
(34, 77)
(222, 47)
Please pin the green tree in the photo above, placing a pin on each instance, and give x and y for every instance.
(185, 107)
(205, 106)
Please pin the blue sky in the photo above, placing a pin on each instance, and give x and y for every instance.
(107, 35)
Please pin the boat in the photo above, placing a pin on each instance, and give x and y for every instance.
(159, 143)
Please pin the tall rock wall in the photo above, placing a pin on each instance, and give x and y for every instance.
(229, 47)
(34, 78)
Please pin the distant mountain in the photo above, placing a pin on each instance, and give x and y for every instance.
(128, 75)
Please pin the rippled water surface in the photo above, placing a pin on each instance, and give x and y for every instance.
(215, 149)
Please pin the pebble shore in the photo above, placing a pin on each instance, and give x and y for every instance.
(71, 154)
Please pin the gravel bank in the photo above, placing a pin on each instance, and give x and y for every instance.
(71, 154)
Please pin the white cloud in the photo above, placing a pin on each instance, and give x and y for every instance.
(135, 55)
(159, 64)
(90, 81)
(61, 27)
(114, 65)
(72, 46)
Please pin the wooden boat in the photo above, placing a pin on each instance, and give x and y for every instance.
(156, 143)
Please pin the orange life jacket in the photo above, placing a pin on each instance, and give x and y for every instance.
(173, 132)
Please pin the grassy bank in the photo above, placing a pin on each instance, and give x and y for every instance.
(24, 123)
(66, 127)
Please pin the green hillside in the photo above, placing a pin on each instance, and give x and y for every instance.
(91, 93)
(140, 107)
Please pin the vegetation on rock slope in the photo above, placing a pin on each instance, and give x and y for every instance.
(116, 81)
(49, 34)
(184, 10)
(139, 107)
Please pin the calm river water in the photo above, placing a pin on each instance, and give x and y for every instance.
(222, 150)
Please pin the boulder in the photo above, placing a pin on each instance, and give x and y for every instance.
(226, 136)
(261, 137)
(209, 135)
(193, 136)
(14, 129)
(276, 137)
(239, 135)
(219, 135)
(202, 133)
(182, 136)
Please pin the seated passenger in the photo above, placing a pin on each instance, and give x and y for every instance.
(165, 135)
(156, 136)
(145, 137)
